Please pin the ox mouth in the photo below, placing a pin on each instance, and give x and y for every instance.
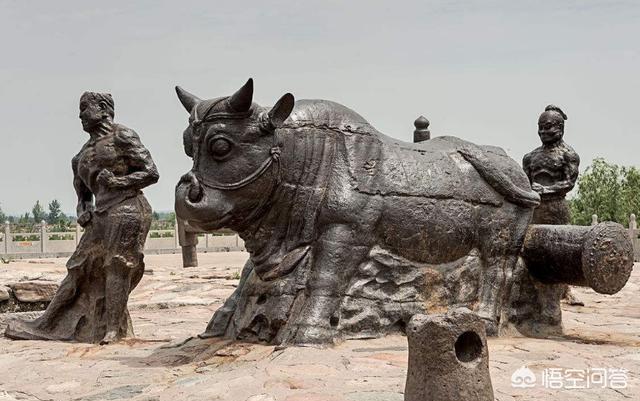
(197, 214)
(208, 226)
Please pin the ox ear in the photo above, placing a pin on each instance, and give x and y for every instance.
(281, 110)
(187, 99)
(241, 100)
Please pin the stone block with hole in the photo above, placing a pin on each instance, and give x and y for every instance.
(448, 358)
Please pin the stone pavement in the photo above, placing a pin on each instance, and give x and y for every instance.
(171, 304)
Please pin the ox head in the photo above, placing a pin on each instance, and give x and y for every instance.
(235, 153)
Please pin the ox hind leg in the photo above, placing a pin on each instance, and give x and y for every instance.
(501, 235)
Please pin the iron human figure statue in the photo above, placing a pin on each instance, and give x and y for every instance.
(109, 174)
(553, 170)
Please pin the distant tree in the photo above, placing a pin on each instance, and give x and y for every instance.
(38, 213)
(630, 197)
(55, 212)
(62, 224)
(3, 217)
(25, 218)
(608, 190)
(156, 216)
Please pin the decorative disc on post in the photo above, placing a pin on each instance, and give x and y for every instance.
(607, 258)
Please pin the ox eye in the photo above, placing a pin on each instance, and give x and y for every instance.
(220, 147)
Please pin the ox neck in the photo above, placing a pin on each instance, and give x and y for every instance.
(289, 218)
(258, 235)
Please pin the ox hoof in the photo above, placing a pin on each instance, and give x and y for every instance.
(315, 335)
(109, 338)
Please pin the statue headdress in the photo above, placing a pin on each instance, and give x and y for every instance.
(553, 109)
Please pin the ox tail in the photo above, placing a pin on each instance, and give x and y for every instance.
(490, 171)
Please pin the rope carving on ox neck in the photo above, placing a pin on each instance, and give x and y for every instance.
(274, 157)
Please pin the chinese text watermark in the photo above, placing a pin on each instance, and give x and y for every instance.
(561, 378)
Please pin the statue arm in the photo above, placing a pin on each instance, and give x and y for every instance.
(571, 169)
(526, 166)
(142, 170)
(572, 162)
(85, 197)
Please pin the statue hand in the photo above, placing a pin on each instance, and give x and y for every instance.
(105, 178)
(84, 219)
(538, 188)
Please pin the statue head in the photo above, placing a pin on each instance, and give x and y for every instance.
(95, 108)
(235, 153)
(551, 125)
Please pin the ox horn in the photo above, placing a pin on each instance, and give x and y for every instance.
(187, 99)
(241, 100)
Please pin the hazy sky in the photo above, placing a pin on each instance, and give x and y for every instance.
(480, 70)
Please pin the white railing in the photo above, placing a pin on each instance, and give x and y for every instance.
(158, 241)
(54, 243)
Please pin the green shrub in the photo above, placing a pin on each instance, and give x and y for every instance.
(61, 237)
(26, 238)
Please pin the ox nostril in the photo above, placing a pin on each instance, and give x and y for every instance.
(195, 193)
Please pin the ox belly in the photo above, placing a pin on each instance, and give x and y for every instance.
(427, 230)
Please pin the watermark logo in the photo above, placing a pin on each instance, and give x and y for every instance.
(523, 378)
(561, 378)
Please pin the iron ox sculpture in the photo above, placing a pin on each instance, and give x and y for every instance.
(351, 232)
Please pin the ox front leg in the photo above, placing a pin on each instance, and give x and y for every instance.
(219, 325)
(337, 254)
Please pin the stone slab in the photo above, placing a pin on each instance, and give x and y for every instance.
(5, 293)
(34, 291)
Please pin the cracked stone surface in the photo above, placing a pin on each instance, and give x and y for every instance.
(172, 304)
